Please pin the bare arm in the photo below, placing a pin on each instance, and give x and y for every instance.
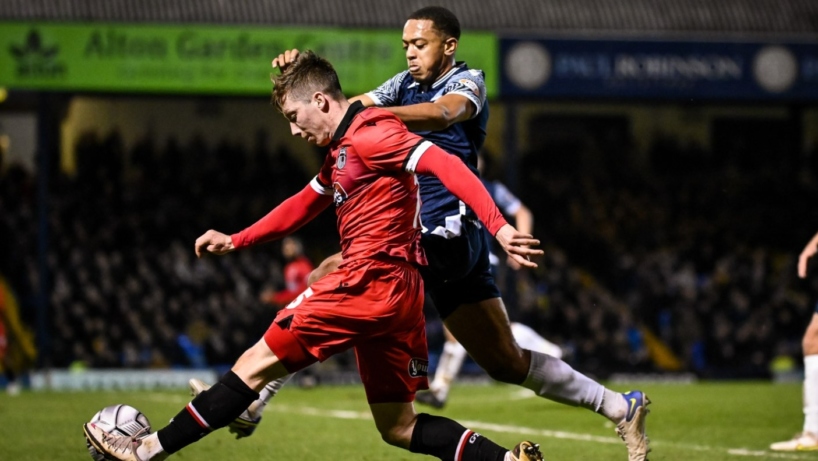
(427, 116)
(435, 116)
(808, 252)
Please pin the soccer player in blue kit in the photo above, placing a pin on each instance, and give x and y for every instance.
(445, 102)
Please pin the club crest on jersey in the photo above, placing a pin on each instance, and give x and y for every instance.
(340, 195)
(418, 368)
(341, 162)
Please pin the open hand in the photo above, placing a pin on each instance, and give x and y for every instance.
(518, 245)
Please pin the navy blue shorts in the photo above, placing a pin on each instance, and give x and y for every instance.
(459, 271)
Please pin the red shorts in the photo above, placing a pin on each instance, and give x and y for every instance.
(375, 306)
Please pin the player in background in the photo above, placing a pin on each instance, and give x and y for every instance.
(454, 354)
(372, 302)
(807, 439)
(296, 273)
(444, 101)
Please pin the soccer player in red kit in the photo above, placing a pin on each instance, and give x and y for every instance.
(372, 303)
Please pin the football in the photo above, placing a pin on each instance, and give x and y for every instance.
(120, 420)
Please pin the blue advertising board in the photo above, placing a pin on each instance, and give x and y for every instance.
(575, 68)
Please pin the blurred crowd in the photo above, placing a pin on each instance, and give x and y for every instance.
(699, 259)
(696, 250)
(126, 289)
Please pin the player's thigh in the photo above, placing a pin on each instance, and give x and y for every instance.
(393, 368)
(395, 421)
(483, 329)
(258, 366)
(811, 336)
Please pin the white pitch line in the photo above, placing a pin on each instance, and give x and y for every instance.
(508, 429)
(521, 430)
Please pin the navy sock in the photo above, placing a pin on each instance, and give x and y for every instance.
(448, 440)
(212, 409)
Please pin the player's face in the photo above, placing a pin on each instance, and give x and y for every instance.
(428, 53)
(307, 120)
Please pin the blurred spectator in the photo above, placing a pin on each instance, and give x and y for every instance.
(296, 272)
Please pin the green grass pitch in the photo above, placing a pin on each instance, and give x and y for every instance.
(706, 421)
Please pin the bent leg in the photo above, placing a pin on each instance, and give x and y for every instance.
(211, 409)
(501, 357)
(505, 361)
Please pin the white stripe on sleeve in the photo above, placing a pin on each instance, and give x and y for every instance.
(319, 188)
(414, 158)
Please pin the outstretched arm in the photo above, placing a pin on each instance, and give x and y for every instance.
(427, 116)
(808, 252)
(285, 219)
(460, 181)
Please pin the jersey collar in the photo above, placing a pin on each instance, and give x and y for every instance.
(354, 109)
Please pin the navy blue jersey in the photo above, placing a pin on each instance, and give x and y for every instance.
(441, 212)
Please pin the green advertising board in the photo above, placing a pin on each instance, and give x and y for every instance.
(202, 59)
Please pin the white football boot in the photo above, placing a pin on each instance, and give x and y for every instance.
(804, 441)
(632, 428)
(112, 446)
(526, 451)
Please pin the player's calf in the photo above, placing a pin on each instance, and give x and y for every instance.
(248, 420)
(447, 439)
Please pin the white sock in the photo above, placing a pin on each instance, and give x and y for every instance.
(555, 380)
(151, 449)
(614, 406)
(811, 394)
(270, 390)
(451, 360)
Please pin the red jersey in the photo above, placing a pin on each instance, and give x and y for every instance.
(369, 174)
(376, 198)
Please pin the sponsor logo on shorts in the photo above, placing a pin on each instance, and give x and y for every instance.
(418, 368)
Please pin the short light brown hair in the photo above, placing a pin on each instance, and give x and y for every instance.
(309, 73)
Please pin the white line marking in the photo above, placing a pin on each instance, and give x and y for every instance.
(503, 428)
(481, 425)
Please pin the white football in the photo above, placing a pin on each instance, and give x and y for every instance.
(120, 420)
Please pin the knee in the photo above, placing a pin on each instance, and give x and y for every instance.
(396, 435)
(510, 366)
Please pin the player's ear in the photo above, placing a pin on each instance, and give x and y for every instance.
(450, 46)
(320, 101)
